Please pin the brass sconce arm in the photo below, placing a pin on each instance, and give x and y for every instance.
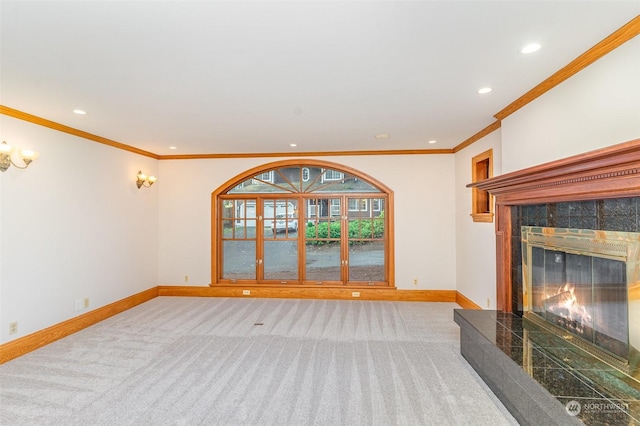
(144, 180)
(6, 161)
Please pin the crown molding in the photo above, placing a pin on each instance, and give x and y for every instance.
(72, 131)
(610, 43)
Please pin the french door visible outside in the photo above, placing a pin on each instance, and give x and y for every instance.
(329, 240)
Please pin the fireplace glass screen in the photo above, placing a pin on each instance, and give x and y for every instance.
(584, 295)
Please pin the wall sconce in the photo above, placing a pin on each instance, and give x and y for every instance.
(144, 180)
(7, 150)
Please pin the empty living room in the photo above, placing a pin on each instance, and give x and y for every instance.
(319, 212)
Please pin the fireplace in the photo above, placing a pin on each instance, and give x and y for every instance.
(583, 285)
(567, 237)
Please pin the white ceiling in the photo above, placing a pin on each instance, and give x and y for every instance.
(213, 77)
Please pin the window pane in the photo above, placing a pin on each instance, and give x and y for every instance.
(322, 208)
(366, 261)
(323, 229)
(263, 177)
(239, 260)
(289, 178)
(315, 179)
(239, 218)
(334, 181)
(255, 186)
(280, 217)
(227, 229)
(281, 260)
(366, 228)
(332, 175)
(322, 262)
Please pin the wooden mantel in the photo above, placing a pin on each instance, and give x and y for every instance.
(611, 172)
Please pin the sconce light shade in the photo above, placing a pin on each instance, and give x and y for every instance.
(5, 148)
(6, 151)
(144, 180)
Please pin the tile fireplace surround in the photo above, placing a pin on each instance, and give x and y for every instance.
(540, 377)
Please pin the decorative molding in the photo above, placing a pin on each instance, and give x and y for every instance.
(382, 294)
(588, 178)
(482, 217)
(610, 43)
(481, 134)
(31, 342)
(307, 154)
(609, 172)
(481, 200)
(465, 302)
(70, 130)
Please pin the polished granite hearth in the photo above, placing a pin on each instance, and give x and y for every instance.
(540, 378)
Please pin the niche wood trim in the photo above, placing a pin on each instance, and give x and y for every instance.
(481, 199)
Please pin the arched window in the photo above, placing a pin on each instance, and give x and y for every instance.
(294, 223)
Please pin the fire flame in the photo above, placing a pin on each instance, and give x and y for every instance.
(564, 304)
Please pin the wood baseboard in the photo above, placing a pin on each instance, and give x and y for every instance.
(465, 302)
(23, 345)
(311, 293)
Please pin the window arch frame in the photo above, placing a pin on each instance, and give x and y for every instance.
(236, 181)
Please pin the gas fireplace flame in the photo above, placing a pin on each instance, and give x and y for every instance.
(565, 305)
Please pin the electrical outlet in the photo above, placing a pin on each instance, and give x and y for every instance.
(355, 294)
(415, 281)
(246, 292)
(186, 278)
(488, 302)
(13, 327)
(86, 302)
(79, 304)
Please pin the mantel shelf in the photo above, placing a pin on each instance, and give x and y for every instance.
(605, 173)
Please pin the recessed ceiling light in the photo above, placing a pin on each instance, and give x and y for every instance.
(432, 141)
(530, 48)
(79, 112)
(293, 145)
(484, 90)
(173, 147)
(382, 136)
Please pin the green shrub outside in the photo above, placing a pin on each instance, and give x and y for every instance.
(357, 229)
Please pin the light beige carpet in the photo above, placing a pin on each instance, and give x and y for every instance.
(208, 361)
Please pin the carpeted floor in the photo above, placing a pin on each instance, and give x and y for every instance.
(209, 361)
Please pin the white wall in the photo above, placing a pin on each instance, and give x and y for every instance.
(73, 226)
(598, 107)
(475, 241)
(424, 203)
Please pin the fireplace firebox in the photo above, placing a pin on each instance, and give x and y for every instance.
(583, 285)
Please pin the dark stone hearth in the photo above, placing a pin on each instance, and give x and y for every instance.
(537, 375)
